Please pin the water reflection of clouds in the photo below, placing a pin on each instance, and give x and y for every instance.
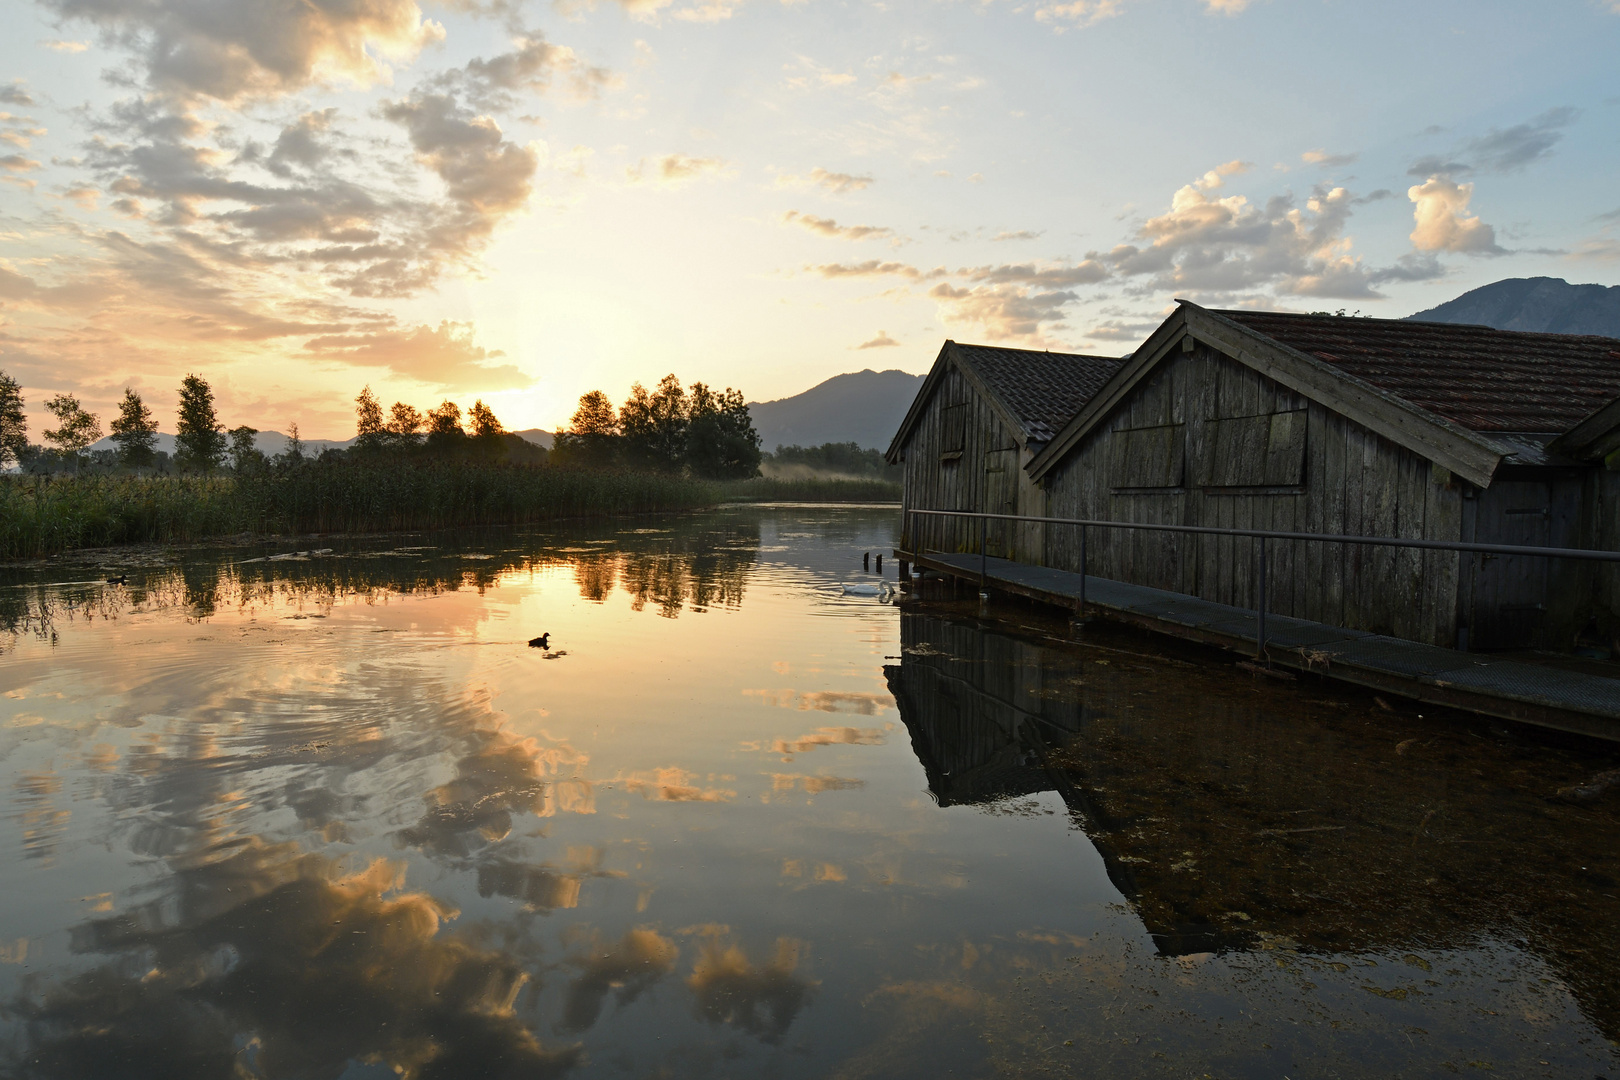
(762, 999)
(626, 968)
(674, 784)
(835, 701)
(259, 959)
(826, 736)
(812, 785)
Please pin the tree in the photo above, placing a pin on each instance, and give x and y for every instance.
(200, 439)
(245, 457)
(593, 434)
(135, 431)
(654, 425)
(76, 428)
(293, 452)
(13, 423)
(405, 424)
(368, 419)
(721, 442)
(444, 425)
(484, 424)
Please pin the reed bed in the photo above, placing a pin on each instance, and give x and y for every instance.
(42, 516)
(811, 489)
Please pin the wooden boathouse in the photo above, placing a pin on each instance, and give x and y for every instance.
(978, 421)
(1312, 424)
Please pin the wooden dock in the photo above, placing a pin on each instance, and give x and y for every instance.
(1510, 689)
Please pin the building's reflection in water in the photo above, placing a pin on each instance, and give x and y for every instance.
(1229, 829)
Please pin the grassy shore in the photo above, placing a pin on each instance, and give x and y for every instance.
(767, 489)
(42, 516)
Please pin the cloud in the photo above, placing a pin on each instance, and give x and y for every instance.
(839, 183)
(534, 65)
(709, 11)
(1512, 149)
(66, 46)
(1598, 248)
(1116, 330)
(672, 170)
(1003, 311)
(1440, 211)
(15, 94)
(882, 341)
(445, 356)
(1325, 159)
(1224, 245)
(1077, 14)
(232, 50)
(1503, 150)
(16, 163)
(1021, 234)
(874, 268)
(1225, 7)
(829, 227)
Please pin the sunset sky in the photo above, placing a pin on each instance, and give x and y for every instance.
(525, 201)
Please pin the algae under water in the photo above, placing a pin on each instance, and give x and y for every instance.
(285, 811)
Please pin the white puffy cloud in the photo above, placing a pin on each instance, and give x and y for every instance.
(1210, 243)
(1442, 220)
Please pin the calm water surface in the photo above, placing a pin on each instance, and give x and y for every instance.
(329, 816)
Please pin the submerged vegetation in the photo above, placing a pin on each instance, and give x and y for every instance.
(42, 516)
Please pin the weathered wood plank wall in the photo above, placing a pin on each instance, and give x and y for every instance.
(962, 456)
(1205, 440)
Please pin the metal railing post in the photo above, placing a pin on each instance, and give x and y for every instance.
(984, 531)
(1260, 607)
(1082, 570)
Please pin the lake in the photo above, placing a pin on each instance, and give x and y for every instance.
(326, 813)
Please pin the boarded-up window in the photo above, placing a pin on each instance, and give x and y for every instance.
(953, 434)
(1148, 457)
(1255, 451)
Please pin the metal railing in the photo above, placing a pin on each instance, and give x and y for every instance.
(1261, 536)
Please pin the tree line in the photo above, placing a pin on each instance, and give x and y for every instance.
(670, 429)
(202, 443)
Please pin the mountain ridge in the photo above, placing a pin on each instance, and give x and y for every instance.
(1539, 304)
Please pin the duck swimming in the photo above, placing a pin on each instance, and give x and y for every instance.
(541, 642)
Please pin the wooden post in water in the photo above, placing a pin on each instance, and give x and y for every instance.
(866, 560)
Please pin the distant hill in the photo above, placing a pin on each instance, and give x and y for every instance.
(863, 407)
(1542, 304)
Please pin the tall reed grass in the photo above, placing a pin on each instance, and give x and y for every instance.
(47, 515)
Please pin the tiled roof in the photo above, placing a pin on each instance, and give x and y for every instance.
(1043, 389)
(1483, 379)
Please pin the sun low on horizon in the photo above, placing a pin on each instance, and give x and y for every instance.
(522, 202)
